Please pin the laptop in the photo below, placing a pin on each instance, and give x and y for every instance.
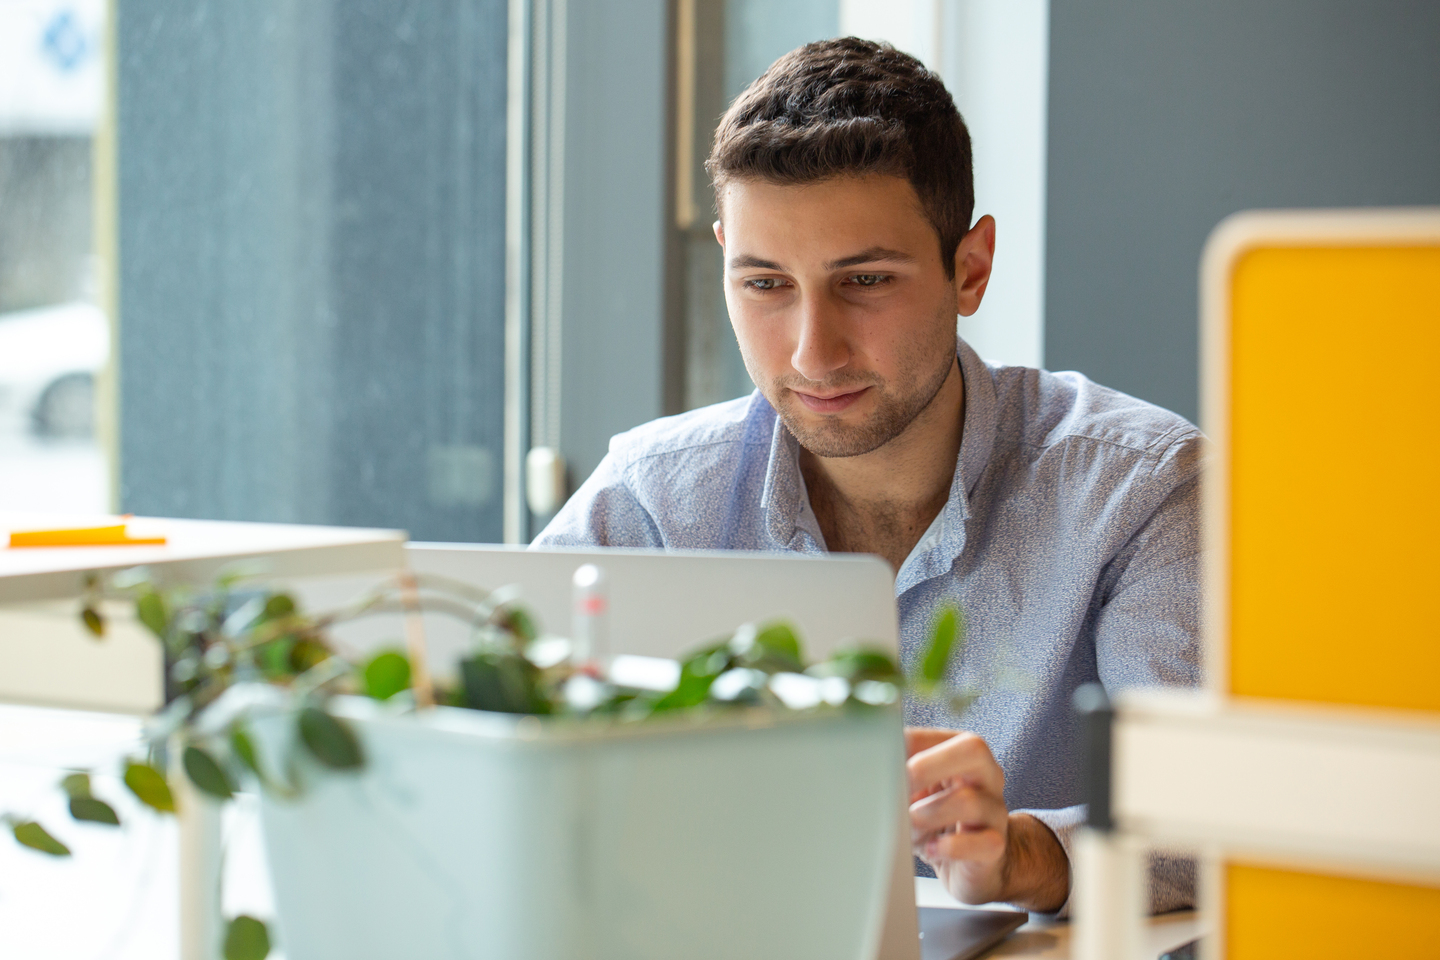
(662, 604)
(963, 934)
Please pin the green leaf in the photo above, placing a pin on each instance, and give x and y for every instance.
(150, 610)
(697, 672)
(386, 675)
(244, 748)
(93, 811)
(945, 640)
(779, 640)
(149, 785)
(279, 605)
(518, 622)
(274, 657)
(693, 690)
(93, 623)
(246, 939)
(331, 742)
(76, 785)
(34, 836)
(206, 773)
(306, 653)
(503, 682)
(858, 664)
(708, 662)
(771, 647)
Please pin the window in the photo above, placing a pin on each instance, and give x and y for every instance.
(312, 262)
(54, 334)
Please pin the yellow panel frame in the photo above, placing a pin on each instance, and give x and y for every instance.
(1271, 912)
(1362, 288)
(1328, 270)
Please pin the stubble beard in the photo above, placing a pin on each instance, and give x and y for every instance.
(829, 436)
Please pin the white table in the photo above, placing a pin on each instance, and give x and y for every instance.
(1051, 940)
(47, 659)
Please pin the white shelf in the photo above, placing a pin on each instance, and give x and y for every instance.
(197, 549)
(47, 659)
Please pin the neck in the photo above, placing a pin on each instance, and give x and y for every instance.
(883, 501)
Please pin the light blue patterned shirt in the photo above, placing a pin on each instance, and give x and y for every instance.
(1070, 541)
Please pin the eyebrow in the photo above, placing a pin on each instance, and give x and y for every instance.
(872, 255)
(747, 262)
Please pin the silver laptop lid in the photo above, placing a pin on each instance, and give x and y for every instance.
(662, 604)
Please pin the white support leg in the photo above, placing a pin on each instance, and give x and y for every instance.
(201, 926)
(1109, 897)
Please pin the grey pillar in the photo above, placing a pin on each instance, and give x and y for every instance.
(1166, 117)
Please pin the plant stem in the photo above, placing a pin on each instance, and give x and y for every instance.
(415, 641)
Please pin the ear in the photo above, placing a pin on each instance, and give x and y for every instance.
(973, 259)
(719, 229)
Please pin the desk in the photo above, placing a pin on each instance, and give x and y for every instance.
(1052, 940)
(47, 659)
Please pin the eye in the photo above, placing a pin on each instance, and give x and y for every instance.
(764, 283)
(868, 279)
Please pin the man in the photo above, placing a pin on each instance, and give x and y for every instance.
(1059, 515)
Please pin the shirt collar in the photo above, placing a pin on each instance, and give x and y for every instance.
(791, 524)
(981, 417)
(942, 544)
(784, 503)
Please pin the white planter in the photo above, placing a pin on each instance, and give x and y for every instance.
(472, 835)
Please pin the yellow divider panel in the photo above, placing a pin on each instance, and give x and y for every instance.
(1335, 483)
(1274, 914)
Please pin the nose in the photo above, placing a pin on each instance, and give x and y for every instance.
(821, 347)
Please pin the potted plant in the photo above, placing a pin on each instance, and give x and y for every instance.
(534, 805)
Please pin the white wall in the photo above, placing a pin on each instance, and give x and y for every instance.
(910, 25)
(993, 55)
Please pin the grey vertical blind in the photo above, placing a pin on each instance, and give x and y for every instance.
(312, 261)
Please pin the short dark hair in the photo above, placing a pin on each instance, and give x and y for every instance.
(850, 107)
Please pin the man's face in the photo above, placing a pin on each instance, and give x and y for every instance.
(841, 304)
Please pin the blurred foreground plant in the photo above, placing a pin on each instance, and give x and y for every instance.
(229, 647)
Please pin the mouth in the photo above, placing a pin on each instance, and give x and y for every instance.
(832, 403)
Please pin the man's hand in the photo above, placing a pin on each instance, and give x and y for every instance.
(960, 826)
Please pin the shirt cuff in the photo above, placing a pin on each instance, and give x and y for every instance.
(1170, 879)
(1063, 823)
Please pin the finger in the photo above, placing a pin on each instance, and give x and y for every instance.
(966, 807)
(959, 808)
(981, 847)
(923, 738)
(964, 756)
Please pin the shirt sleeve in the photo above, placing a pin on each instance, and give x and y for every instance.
(604, 512)
(1147, 633)
(1148, 630)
